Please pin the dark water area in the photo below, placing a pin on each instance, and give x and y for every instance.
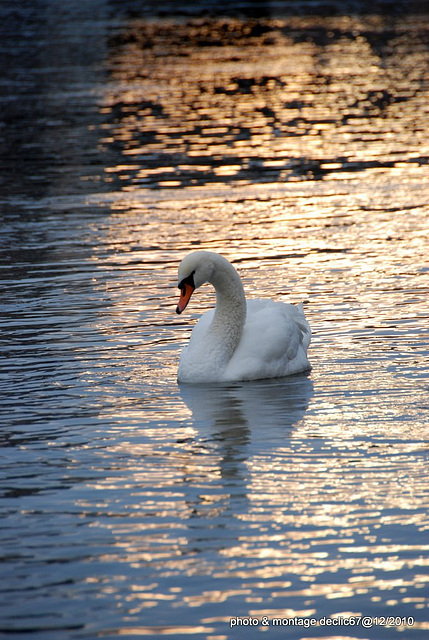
(206, 93)
(292, 137)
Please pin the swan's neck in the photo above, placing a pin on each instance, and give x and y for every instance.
(230, 314)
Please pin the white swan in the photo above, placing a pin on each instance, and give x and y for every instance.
(238, 341)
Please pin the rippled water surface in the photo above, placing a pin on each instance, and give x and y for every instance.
(297, 146)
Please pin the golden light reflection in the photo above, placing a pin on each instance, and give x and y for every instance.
(329, 106)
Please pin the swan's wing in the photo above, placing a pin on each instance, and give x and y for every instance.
(274, 342)
(283, 327)
(297, 313)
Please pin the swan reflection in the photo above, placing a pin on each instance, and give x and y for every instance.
(258, 411)
(237, 420)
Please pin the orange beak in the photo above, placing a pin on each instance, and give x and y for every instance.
(185, 295)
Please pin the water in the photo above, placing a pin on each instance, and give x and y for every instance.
(296, 146)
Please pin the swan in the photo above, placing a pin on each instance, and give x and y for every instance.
(239, 339)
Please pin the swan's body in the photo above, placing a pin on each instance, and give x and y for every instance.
(238, 340)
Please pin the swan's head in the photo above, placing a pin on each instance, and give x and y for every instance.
(194, 270)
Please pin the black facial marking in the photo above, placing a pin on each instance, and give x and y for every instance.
(188, 280)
